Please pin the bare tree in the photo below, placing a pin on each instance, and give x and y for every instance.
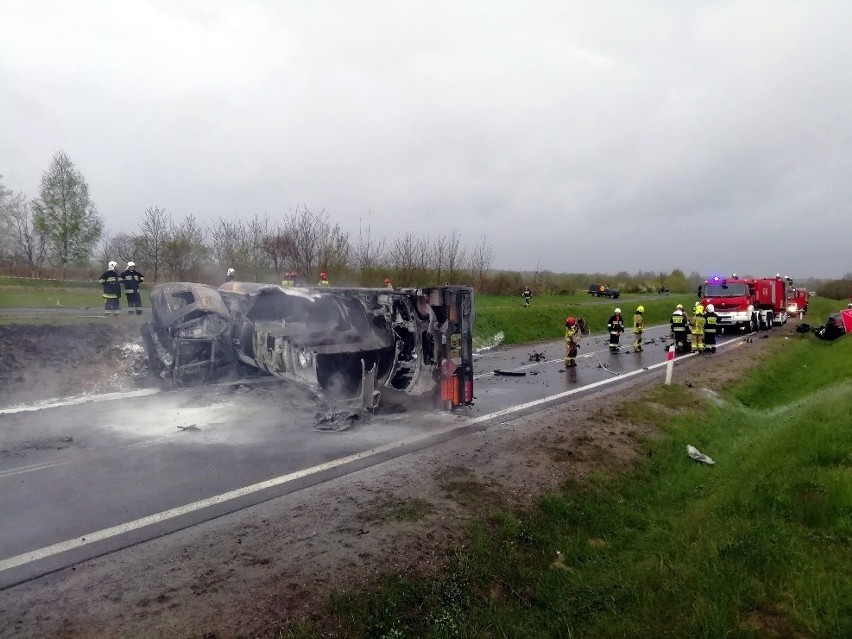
(409, 258)
(257, 260)
(228, 242)
(154, 231)
(369, 255)
(65, 215)
(104, 250)
(454, 256)
(315, 243)
(128, 247)
(481, 258)
(277, 246)
(184, 250)
(25, 242)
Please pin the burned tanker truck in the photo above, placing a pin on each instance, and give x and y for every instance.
(361, 345)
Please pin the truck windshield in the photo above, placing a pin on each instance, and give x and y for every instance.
(734, 289)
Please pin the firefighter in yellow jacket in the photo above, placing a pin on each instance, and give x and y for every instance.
(697, 324)
(323, 280)
(572, 341)
(638, 328)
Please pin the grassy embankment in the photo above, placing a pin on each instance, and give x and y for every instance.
(758, 545)
(27, 293)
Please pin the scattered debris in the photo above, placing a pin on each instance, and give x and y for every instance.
(698, 456)
(509, 373)
(537, 357)
(337, 421)
(192, 428)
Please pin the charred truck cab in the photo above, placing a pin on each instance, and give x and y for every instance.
(362, 345)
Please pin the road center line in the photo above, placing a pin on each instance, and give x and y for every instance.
(107, 533)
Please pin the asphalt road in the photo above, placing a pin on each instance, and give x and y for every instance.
(82, 480)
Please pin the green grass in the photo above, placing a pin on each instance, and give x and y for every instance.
(545, 318)
(758, 545)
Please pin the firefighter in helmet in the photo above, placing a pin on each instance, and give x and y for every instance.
(615, 325)
(388, 283)
(697, 325)
(680, 329)
(111, 283)
(132, 280)
(229, 276)
(527, 295)
(323, 281)
(572, 341)
(638, 328)
(711, 328)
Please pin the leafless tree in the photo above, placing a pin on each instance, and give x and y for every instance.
(127, 247)
(409, 258)
(103, 253)
(315, 243)
(256, 232)
(277, 246)
(184, 250)
(454, 257)
(481, 258)
(153, 233)
(369, 255)
(25, 242)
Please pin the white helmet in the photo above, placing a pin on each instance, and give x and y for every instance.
(112, 265)
(618, 311)
(230, 271)
(131, 264)
(710, 309)
(750, 308)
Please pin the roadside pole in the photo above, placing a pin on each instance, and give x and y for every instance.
(670, 364)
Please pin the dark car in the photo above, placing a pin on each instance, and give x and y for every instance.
(352, 343)
(602, 290)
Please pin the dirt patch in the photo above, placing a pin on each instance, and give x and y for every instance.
(247, 573)
(43, 362)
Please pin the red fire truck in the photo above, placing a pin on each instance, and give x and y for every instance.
(747, 303)
(797, 300)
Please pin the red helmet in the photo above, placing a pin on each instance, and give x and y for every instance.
(323, 276)
(570, 321)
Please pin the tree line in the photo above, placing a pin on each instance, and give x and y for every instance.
(61, 229)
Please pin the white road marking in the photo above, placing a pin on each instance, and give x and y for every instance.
(74, 401)
(107, 533)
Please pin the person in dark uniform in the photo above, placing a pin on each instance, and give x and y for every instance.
(112, 290)
(616, 328)
(527, 295)
(680, 329)
(229, 277)
(711, 328)
(132, 280)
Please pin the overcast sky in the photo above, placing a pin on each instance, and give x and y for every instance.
(574, 136)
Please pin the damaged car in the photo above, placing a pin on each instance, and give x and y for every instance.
(363, 345)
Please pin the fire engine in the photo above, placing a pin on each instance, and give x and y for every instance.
(797, 300)
(731, 298)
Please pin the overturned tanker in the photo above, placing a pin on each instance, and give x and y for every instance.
(358, 344)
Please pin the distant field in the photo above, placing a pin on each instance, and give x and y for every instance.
(543, 320)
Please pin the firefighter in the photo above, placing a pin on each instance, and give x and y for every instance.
(711, 328)
(616, 328)
(697, 325)
(679, 326)
(132, 280)
(753, 323)
(527, 295)
(229, 276)
(323, 281)
(638, 328)
(112, 290)
(288, 279)
(572, 341)
(388, 283)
